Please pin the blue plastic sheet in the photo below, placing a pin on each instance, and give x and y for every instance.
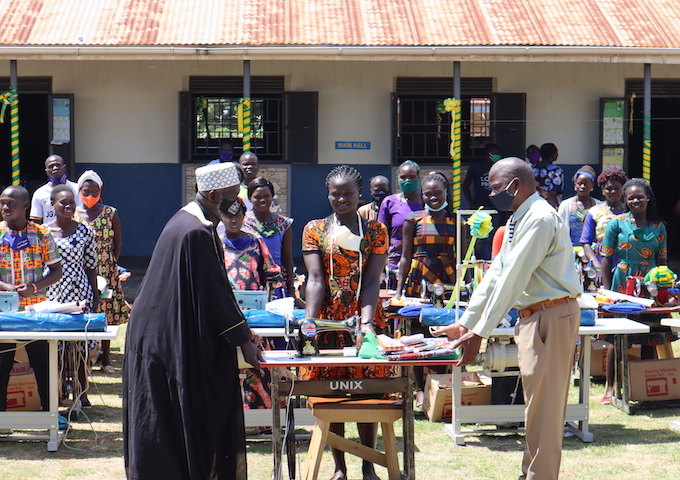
(440, 317)
(624, 308)
(265, 319)
(52, 322)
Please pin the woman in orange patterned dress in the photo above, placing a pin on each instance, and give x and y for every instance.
(345, 255)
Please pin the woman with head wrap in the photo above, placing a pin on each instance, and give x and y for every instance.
(573, 210)
(105, 224)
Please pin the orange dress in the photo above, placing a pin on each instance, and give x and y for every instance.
(340, 299)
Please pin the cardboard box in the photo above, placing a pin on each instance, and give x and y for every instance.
(598, 357)
(22, 391)
(654, 380)
(438, 403)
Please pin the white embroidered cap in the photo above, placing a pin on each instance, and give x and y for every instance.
(90, 175)
(217, 176)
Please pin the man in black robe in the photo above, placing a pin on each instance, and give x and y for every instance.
(182, 404)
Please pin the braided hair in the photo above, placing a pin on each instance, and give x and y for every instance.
(344, 171)
(652, 213)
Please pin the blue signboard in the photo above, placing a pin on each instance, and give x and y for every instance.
(352, 145)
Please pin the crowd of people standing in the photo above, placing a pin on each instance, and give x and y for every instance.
(234, 238)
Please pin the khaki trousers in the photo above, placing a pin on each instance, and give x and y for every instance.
(546, 341)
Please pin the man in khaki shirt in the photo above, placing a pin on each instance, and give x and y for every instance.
(534, 273)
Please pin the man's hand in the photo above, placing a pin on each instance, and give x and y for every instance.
(251, 353)
(468, 341)
(25, 290)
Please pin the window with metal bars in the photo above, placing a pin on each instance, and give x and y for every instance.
(216, 120)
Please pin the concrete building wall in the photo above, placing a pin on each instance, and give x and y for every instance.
(126, 119)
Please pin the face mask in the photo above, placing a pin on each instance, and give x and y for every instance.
(495, 158)
(534, 156)
(344, 238)
(16, 241)
(409, 186)
(90, 201)
(503, 200)
(57, 181)
(226, 156)
(379, 197)
(444, 205)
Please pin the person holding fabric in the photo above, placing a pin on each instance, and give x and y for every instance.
(573, 210)
(79, 263)
(396, 209)
(41, 205)
(249, 267)
(344, 255)
(182, 407)
(380, 189)
(27, 250)
(105, 223)
(274, 229)
(428, 252)
(534, 273)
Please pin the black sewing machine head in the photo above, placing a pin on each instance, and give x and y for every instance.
(308, 328)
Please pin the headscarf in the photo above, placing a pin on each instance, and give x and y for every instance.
(90, 175)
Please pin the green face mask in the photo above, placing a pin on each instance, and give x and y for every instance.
(409, 186)
(495, 158)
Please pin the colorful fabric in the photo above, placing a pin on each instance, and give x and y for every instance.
(434, 252)
(78, 252)
(550, 178)
(340, 300)
(394, 211)
(272, 232)
(252, 267)
(116, 309)
(27, 265)
(639, 249)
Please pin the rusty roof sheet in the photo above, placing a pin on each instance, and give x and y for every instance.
(606, 23)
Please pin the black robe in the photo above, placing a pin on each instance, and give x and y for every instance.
(182, 406)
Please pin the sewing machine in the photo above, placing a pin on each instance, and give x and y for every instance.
(309, 327)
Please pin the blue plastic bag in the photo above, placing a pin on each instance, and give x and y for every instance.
(52, 322)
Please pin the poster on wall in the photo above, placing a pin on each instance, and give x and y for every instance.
(612, 156)
(612, 122)
(61, 121)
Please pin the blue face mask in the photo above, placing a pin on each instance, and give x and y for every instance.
(16, 241)
(444, 205)
(226, 156)
(57, 181)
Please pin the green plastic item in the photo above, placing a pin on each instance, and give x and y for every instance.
(369, 347)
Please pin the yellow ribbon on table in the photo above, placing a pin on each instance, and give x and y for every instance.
(6, 98)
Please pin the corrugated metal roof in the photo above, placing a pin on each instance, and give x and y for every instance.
(605, 23)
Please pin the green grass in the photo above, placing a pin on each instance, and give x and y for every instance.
(640, 447)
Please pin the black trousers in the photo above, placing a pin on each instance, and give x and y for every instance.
(37, 358)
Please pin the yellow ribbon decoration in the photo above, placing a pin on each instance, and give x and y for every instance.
(243, 105)
(6, 99)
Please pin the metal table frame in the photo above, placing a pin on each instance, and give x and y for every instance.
(46, 420)
(577, 414)
(276, 359)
